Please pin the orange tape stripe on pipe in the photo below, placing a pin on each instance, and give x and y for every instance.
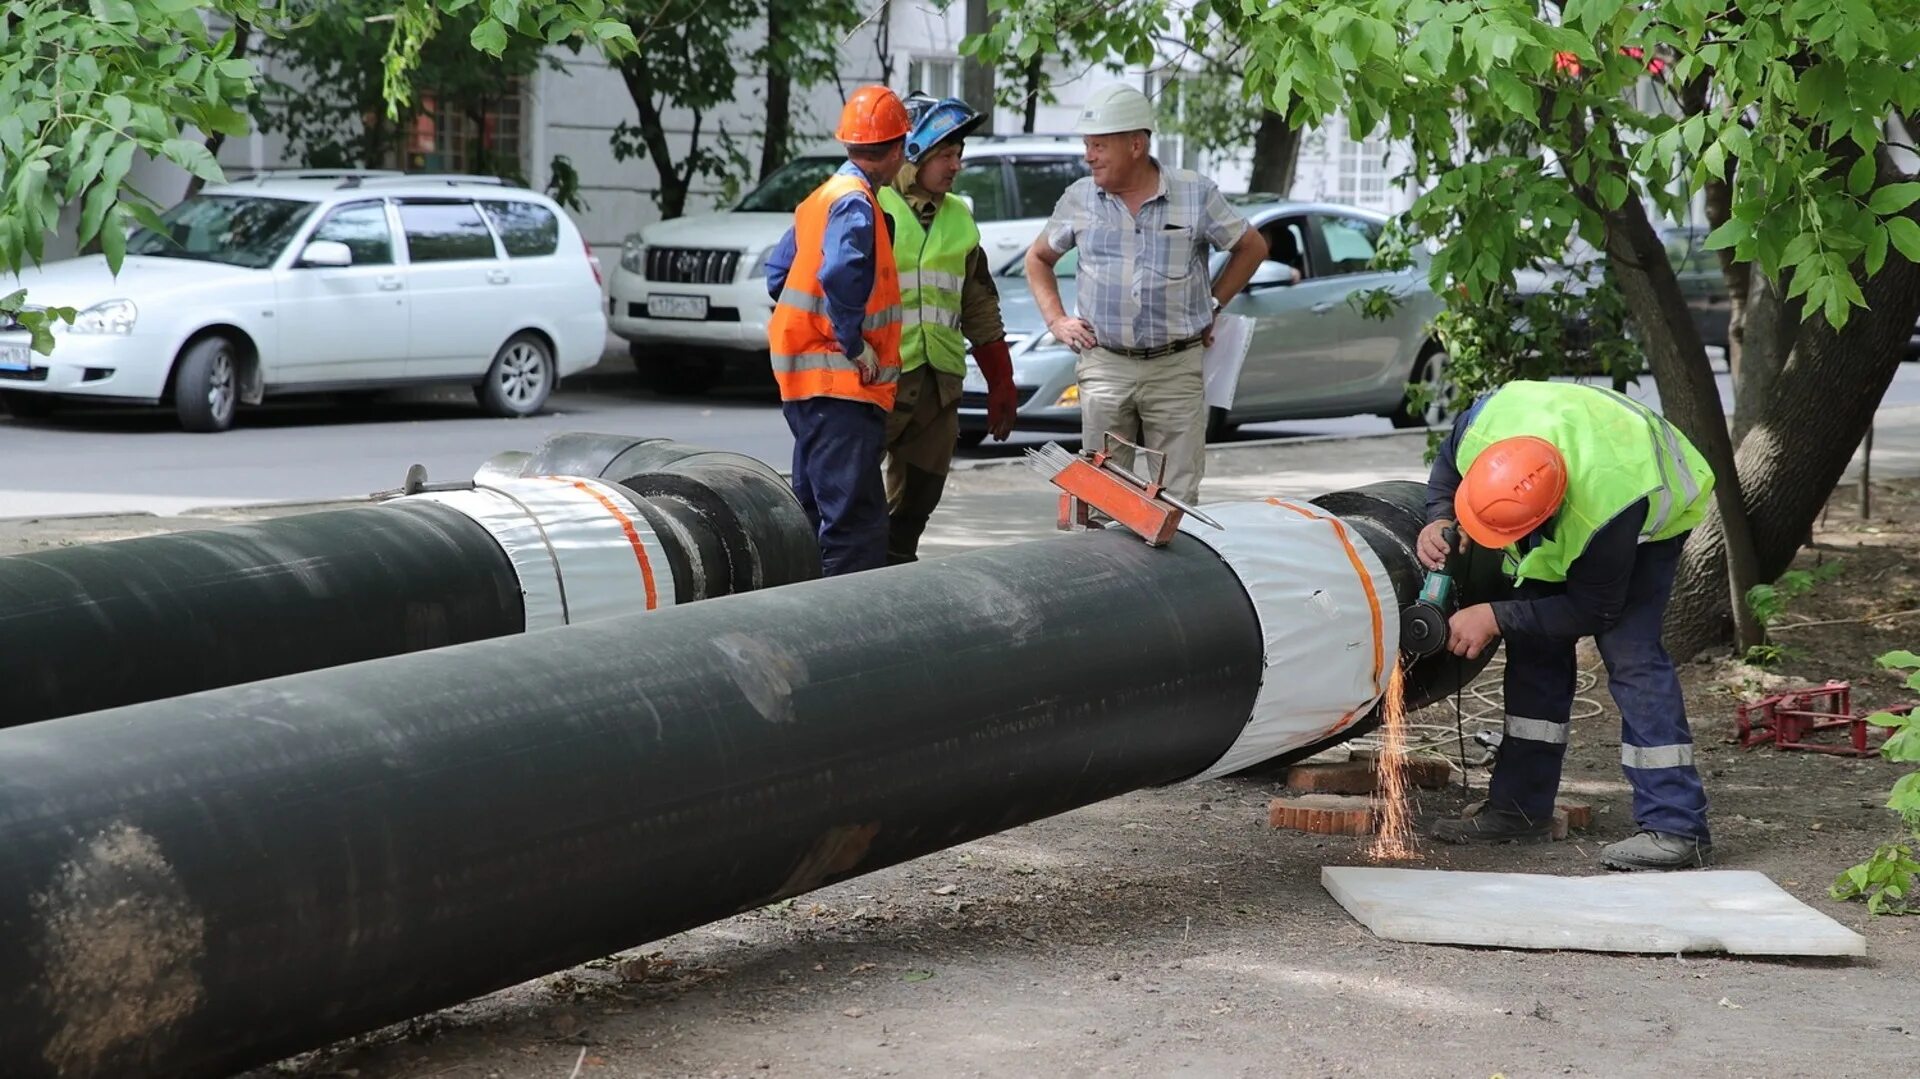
(633, 538)
(1366, 583)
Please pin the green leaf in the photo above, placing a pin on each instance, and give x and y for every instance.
(490, 37)
(1905, 235)
(1728, 234)
(1903, 746)
(1900, 659)
(192, 156)
(1893, 198)
(1515, 94)
(1876, 250)
(94, 210)
(916, 976)
(1799, 250)
(113, 238)
(114, 12)
(1613, 191)
(1861, 176)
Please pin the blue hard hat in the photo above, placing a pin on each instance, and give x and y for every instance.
(934, 121)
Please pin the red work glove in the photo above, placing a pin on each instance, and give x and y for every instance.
(997, 365)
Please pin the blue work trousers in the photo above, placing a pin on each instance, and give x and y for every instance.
(837, 447)
(1656, 746)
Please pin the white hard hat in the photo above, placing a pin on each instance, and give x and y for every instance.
(1113, 109)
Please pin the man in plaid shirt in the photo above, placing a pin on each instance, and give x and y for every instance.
(1145, 311)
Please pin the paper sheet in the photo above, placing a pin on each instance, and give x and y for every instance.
(1220, 366)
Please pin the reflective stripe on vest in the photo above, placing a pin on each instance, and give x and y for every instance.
(933, 268)
(1617, 450)
(806, 355)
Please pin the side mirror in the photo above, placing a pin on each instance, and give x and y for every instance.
(328, 254)
(1270, 274)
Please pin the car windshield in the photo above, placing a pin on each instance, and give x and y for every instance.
(1068, 266)
(781, 193)
(238, 230)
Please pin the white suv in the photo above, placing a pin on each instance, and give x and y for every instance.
(304, 281)
(690, 293)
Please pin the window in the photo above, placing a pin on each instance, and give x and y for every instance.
(936, 76)
(238, 231)
(1361, 176)
(1040, 181)
(480, 137)
(1068, 266)
(445, 232)
(985, 183)
(1350, 244)
(1287, 242)
(363, 227)
(526, 229)
(782, 191)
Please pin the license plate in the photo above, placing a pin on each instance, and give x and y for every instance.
(16, 358)
(677, 307)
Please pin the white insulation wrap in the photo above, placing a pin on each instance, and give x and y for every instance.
(579, 548)
(1328, 624)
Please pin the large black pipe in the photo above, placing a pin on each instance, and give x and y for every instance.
(102, 625)
(196, 885)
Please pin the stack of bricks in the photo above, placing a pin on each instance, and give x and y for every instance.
(1339, 798)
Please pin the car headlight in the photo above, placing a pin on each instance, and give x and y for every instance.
(112, 317)
(1069, 397)
(759, 269)
(633, 255)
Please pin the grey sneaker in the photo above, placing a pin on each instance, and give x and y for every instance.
(1656, 850)
(1494, 826)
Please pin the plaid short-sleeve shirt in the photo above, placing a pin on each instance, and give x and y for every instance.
(1142, 280)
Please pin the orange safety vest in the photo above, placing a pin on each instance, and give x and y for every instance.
(807, 361)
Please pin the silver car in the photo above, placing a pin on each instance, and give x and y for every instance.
(1314, 353)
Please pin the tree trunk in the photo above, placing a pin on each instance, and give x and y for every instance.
(1767, 338)
(1822, 403)
(1688, 395)
(1276, 155)
(1036, 74)
(779, 128)
(653, 132)
(976, 78)
(1738, 277)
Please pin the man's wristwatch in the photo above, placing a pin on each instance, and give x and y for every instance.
(1218, 306)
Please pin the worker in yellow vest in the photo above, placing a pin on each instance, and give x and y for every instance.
(947, 299)
(834, 338)
(1591, 495)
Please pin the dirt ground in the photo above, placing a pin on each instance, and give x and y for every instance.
(1173, 932)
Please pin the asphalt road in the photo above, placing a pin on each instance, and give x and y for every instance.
(106, 460)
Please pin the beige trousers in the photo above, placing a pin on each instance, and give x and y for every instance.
(1160, 404)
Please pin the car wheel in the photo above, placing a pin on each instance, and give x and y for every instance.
(28, 406)
(970, 440)
(520, 380)
(1219, 428)
(1430, 370)
(206, 385)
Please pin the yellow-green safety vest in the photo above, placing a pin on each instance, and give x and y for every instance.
(933, 270)
(1617, 450)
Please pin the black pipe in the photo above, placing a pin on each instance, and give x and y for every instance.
(197, 885)
(102, 625)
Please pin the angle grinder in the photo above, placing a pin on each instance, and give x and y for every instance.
(1423, 623)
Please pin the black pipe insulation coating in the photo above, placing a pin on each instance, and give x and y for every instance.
(101, 625)
(193, 886)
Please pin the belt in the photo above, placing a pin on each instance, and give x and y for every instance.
(1156, 351)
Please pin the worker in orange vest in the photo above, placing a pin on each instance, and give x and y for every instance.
(834, 338)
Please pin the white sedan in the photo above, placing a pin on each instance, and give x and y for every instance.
(320, 283)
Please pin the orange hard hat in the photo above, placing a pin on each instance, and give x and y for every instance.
(1510, 490)
(874, 114)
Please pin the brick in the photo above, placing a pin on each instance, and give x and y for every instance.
(1325, 814)
(1559, 824)
(1579, 814)
(1361, 775)
(1343, 777)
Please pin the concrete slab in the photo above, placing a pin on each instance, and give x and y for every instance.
(1734, 911)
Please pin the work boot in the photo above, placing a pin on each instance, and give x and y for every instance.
(1656, 850)
(1489, 825)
